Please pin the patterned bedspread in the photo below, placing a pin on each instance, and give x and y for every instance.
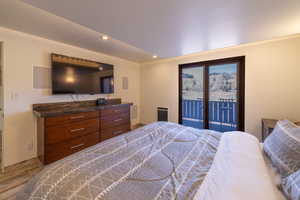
(158, 161)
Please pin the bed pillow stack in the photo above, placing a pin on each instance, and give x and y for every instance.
(283, 149)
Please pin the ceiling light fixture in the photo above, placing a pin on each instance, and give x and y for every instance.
(104, 37)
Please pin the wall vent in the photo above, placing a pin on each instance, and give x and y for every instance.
(162, 114)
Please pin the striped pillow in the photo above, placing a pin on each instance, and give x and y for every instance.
(291, 186)
(283, 147)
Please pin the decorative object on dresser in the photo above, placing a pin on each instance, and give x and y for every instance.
(101, 101)
(268, 125)
(66, 128)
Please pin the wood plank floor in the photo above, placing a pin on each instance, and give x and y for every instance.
(14, 177)
(11, 194)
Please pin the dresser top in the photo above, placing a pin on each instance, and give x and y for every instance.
(65, 108)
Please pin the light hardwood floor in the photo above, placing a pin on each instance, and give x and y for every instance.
(11, 194)
(14, 178)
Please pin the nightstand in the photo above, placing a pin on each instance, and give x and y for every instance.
(267, 127)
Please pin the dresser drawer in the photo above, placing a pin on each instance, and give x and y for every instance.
(114, 110)
(115, 120)
(54, 121)
(114, 131)
(60, 150)
(61, 133)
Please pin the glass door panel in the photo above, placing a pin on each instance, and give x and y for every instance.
(192, 106)
(222, 103)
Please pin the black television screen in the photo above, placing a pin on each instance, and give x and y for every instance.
(81, 77)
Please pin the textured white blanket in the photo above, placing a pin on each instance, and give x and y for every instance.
(238, 172)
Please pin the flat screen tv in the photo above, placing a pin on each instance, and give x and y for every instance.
(78, 76)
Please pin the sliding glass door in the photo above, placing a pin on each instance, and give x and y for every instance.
(222, 99)
(192, 93)
(211, 94)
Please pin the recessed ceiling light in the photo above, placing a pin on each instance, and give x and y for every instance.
(154, 56)
(104, 37)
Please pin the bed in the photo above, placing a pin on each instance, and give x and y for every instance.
(160, 161)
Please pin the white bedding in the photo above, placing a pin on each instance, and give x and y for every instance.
(238, 172)
(275, 176)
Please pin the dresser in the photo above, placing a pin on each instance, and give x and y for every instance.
(114, 121)
(64, 131)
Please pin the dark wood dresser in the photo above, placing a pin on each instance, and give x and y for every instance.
(64, 131)
(114, 121)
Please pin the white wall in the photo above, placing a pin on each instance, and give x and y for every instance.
(21, 53)
(272, 82)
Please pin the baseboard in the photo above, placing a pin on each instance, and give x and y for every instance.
(20, 169)
(138, 125)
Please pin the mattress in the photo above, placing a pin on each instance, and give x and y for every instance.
(160, 161)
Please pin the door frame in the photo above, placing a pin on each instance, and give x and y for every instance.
(240, 88)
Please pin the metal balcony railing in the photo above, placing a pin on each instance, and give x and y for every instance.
(222, 114)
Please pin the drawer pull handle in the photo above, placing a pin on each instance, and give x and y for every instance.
(76, 146)
(117, 120)
(117, 110)
(117, 132)
(76, 130)
(77, 117)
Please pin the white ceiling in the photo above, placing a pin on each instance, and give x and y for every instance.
(167, 28)
(19, 16)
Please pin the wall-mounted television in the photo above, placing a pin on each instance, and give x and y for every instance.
(79, 76)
